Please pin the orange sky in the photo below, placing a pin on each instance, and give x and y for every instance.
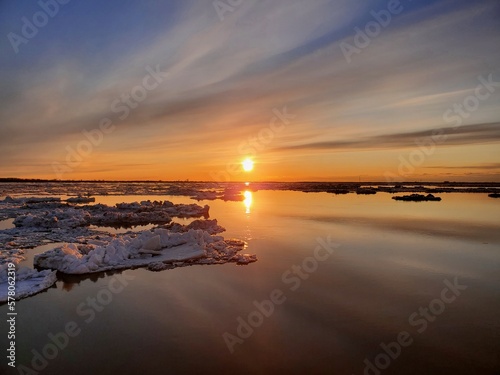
(192, 94)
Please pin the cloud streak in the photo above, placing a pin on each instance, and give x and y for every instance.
(224, 79)
(464, 135)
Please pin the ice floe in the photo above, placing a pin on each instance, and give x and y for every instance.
(46, 219)
(80, 199)
(87, 250)
(27, 282)
(417, 198)
(156, 247)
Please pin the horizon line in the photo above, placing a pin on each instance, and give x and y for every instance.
(20, 179)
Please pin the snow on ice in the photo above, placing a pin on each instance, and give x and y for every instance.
(28, 282)
(86, 250)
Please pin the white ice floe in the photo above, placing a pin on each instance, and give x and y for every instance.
(48, 220)
(210, 226)
(80, 199)
(148, 248)
(123, 214)
(27, 283)
(146, 212)
(9, 199)
(43, 220)
(59, 218)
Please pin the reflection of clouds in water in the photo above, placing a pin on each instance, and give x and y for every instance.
(452, 229)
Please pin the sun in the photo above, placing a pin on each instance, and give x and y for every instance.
(247, 164)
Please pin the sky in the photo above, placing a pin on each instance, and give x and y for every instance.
(318, 90)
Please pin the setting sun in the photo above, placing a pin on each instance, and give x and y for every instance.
(247, 165)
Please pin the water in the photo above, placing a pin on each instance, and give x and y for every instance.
(6, 224)
(393, 258)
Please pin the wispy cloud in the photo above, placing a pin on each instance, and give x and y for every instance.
(224, 78)
(490, 166)
(464, 135)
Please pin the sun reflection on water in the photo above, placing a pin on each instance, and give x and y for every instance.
(248, 201)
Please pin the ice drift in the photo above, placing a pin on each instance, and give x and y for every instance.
(28, 282)
(153, 248)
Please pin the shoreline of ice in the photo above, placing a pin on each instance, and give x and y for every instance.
(86, 250)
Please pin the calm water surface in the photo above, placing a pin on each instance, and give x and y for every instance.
(393, 258)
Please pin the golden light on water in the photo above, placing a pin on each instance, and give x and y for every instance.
(248, 201)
